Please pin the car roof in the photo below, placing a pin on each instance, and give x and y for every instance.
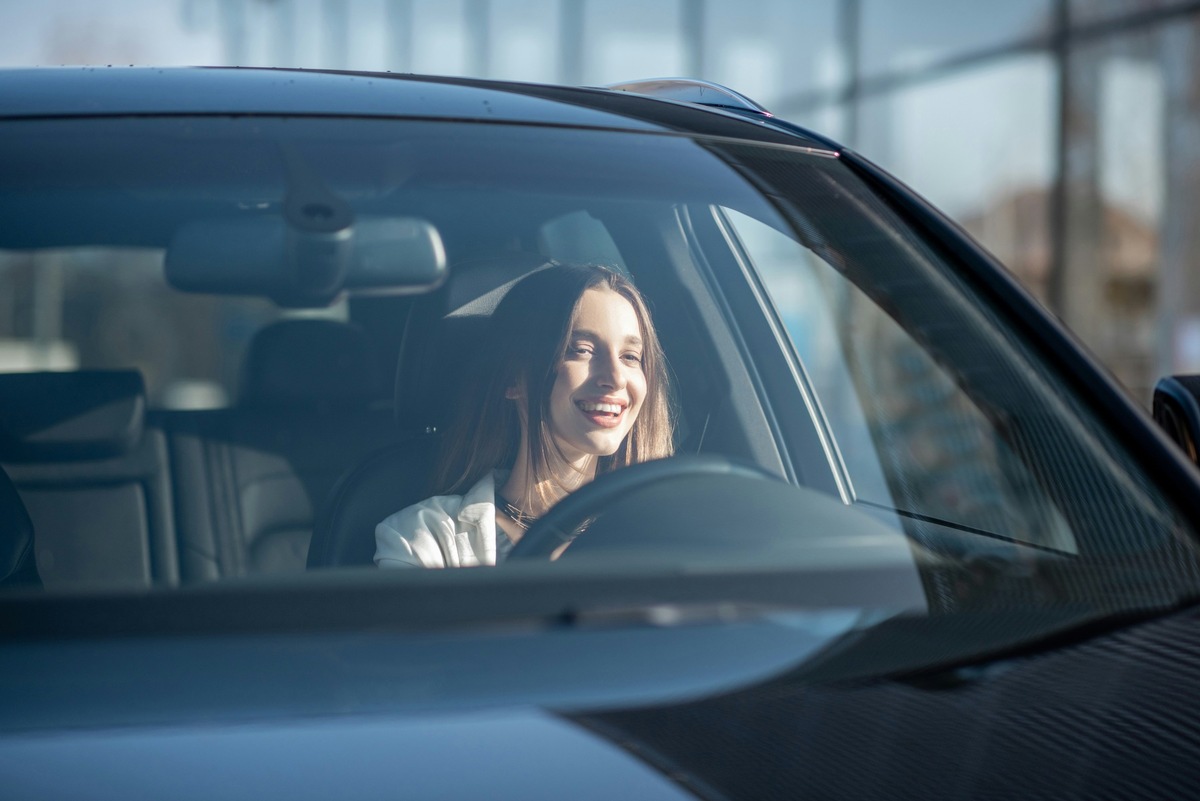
(118, 91)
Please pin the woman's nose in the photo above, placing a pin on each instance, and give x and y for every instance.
(608, 373)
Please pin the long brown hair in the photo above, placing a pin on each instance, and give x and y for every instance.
(525, 344)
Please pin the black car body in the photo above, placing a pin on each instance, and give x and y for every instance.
(916, 544)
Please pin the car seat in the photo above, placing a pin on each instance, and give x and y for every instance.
(431, 376)
(92, 473)
(251, 478)
(308, 364)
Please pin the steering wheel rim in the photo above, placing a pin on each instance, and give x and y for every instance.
(561, 523)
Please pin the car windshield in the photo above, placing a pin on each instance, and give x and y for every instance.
(174, 420)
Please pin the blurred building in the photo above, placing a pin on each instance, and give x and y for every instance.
(1064, 134)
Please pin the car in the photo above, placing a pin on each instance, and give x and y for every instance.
(914, 542)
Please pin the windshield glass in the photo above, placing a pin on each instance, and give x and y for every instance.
(168, 425)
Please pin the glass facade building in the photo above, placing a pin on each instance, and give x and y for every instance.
(1063, 134)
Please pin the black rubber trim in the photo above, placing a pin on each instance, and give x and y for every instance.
(731, 295)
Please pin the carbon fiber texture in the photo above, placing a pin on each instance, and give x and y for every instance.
(1116, 716)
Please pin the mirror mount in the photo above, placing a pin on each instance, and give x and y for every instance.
(319, 238)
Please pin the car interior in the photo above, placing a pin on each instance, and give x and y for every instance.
(809, 336)
(123, 494)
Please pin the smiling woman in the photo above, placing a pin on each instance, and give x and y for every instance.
(575, 384)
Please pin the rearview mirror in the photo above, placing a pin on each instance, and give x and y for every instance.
(266, 256)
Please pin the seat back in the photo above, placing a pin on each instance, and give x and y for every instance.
(443, 330)
(92, 475)
(443, 334)
(251, 478)
(309, 364)
(387, 480)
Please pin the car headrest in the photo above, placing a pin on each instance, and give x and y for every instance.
(443, 333)
(85, 414)
(309, 363)
(17, 565)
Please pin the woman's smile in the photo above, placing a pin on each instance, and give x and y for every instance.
(604, 413)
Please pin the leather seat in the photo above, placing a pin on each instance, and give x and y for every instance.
(252, 477)
(441, 334)
(309, 364)
(92, 474)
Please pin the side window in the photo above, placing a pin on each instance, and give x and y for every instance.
(911, 438)
(102, 308)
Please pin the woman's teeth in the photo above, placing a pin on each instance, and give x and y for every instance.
(607, 408)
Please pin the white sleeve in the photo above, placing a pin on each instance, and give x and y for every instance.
(415, 537)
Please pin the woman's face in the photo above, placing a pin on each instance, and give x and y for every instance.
(600, 385)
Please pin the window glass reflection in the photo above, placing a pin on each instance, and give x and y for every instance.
(110, 308)
(894, 412)
(992, 168)
(914, 34)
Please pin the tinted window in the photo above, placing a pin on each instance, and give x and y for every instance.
(900, 420)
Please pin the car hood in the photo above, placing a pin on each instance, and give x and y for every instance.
(606, 663)
(497, 714)
(1092, 713)
(514, 753)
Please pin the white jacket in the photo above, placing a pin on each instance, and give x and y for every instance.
(442, 531)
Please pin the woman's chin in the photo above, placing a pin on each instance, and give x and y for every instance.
(593, 446)
(608, 446)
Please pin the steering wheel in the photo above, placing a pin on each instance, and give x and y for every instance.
(562, 523)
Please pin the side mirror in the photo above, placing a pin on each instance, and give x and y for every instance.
(1177, 410)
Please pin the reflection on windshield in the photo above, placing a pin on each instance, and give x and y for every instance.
(896, 386)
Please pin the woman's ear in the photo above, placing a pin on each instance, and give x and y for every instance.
(515, 392)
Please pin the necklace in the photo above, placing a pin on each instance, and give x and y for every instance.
(513, 513)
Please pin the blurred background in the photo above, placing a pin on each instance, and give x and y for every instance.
(1064, 134)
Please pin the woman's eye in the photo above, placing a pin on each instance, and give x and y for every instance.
(633, 358)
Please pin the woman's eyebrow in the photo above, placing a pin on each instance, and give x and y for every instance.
(583, 333)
